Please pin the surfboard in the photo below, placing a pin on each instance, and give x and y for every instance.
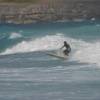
(57, 56)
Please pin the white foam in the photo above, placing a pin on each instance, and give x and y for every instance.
(15, 35)
(81, 51)
(44, 43)
(88, 52)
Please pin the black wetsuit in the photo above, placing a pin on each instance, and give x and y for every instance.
(67, 50)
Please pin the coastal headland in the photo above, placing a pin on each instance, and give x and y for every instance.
(48, 11)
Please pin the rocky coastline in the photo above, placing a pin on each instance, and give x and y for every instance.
(67, 11)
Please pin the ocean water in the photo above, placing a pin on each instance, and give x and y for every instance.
(27, 73)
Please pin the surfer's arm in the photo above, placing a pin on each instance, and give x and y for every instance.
(62, 47)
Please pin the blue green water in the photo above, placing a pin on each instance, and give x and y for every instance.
(27, 73)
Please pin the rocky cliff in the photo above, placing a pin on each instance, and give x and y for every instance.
(50, 11)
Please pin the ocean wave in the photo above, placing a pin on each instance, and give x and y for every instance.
(82, 51)
(15, 35)
(88, 52)
(48, 42)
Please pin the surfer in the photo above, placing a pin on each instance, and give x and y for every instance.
(67, 49)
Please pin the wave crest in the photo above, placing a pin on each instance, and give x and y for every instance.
(48, 42)
(15, 35)
(82, 51)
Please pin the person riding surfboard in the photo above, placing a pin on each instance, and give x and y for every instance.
(67, 48)
(61, 54)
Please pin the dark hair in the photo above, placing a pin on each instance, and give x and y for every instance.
(65, 42)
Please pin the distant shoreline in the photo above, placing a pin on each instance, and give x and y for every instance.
(25, 13)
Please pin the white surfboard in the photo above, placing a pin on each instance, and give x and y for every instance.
(57, 56)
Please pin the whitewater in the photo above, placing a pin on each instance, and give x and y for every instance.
(27, 73)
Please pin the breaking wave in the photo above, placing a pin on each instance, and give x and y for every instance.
(15, 35)
(81, 50)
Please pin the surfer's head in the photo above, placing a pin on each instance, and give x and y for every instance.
(65, 42)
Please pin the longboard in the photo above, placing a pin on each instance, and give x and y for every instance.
(57, 56)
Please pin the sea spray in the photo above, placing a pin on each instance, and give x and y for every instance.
(48, 42)
(82, 51)
(15, 35)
